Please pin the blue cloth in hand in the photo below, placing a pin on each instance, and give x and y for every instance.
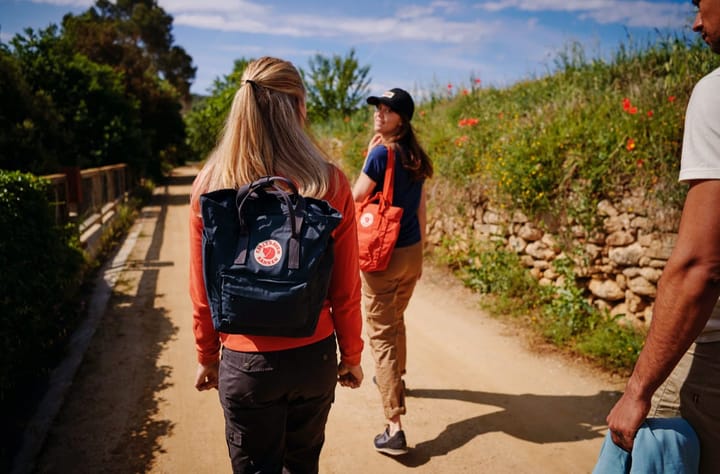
(662, 445)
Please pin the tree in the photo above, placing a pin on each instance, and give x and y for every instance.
(94, 122)
(335, 85)
(207, 116)
(134, 37)
(29, 132)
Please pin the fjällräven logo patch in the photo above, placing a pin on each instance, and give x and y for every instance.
(268, 253)
(366, 219)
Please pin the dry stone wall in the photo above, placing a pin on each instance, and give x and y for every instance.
(619, 263)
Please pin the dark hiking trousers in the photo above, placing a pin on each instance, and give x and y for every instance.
(276, 405)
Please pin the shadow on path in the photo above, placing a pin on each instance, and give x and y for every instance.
(535, 418)
(110, 421)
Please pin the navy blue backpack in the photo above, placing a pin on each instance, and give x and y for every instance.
(267, 258)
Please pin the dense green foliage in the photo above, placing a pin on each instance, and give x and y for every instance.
(95, 123)
(336, 85)
(564, 142)
(41, 271)
(207, 117)
(28, 122)
(107, 87)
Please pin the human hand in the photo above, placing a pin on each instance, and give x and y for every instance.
(374, 141)
(625, 419)
(207, 376)
(350, 375)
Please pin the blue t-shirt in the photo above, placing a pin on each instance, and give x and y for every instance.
(406, 193)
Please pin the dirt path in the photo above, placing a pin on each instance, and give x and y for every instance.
(479, 400)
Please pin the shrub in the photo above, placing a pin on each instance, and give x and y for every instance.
(41, 273)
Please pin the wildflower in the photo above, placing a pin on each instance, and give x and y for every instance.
(630, 145)
(465, 92)
(628, 107)
(468, 122)
(671, 98)
(460, 141)
(650, 113)
(478, 81)
(422, 113)
(449, 86)
(640, 163)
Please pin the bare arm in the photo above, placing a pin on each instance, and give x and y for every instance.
(364, 184)
(363, 187)
(687, 292)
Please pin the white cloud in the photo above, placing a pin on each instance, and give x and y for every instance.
(215, 6)
(413, 24)
(66, 3)
(634, 13)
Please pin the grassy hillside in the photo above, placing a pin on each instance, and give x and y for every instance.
(591, 129)
(557, 144)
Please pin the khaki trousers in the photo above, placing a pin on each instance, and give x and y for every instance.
(386, 295)
(693, 391)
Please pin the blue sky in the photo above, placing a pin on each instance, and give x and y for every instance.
(419, 45)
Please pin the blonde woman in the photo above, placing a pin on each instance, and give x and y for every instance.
(276, 392)
(387, 293)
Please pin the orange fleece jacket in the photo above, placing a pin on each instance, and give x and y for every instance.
(341, 311)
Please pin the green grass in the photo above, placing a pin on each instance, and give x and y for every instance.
(556, 145)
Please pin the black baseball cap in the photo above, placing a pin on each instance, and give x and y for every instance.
(397, 99)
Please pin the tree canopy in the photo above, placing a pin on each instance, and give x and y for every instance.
(108, 86)
(335, 84)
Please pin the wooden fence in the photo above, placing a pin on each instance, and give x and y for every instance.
(90, 197)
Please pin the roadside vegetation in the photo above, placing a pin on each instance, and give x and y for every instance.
(555, 145)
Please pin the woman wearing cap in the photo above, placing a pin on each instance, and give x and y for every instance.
(386, 293)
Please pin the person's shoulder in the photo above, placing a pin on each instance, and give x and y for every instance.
(339, 185)
(378, 151)
(709, 84)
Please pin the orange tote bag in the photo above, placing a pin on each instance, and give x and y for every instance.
(378, 223)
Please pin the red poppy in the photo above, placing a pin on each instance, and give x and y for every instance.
(630, 145)
(460, 141)
(449, 86)
(650, 113)
(671, 98)
(477, 81)
(626, 104)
